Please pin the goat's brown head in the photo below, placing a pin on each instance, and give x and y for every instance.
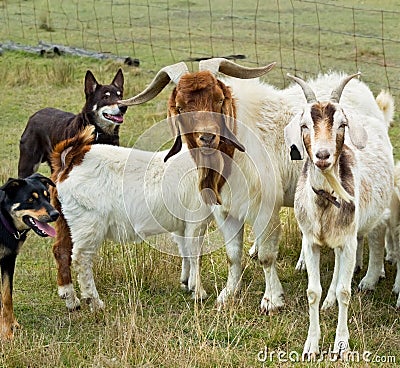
(202, 110)
(320, 128)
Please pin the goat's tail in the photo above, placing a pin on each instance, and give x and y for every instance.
(385, 102)
(69, 153)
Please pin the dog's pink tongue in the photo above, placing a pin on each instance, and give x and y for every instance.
(46, 228)
(118, 118)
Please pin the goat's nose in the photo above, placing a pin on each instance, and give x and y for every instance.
(207, 138)
(322, 154)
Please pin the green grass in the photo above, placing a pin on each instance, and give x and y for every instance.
(148, 320)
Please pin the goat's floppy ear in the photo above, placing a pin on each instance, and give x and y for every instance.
(177, 146)
(2, 195)
(90, 83)
(294, 139)
(358, 135)
(43, 179)
(229, 138)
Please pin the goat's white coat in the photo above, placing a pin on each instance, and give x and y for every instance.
(373, 185)
(393, 231)
(262, 112)
(125, 194)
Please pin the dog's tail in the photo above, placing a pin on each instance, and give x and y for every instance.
(70, 152)
(65, 156)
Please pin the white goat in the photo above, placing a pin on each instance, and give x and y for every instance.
(393, 231)
(123, 194)
(342, 193)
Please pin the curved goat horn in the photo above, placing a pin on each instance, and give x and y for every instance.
(337, 92)
(308, 92)
(232, 69)
(163, 77)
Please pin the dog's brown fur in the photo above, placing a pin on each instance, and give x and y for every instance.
(62, 247)
(49, 126)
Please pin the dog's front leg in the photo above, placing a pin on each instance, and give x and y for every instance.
(7, 319)
(62, 250)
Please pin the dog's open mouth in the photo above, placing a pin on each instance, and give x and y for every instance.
(117, 119)
(40, 228)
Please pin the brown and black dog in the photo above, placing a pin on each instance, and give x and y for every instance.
(49, 126)
(24, 205)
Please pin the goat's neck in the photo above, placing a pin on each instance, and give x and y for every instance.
(318, 180)
(332, 181)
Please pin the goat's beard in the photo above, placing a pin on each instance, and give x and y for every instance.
(210, 168)
(337, 187)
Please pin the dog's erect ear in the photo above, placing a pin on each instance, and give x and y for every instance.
(90, 83)
(118, 80)
(177, 146)
(43, 179)
(12, 186)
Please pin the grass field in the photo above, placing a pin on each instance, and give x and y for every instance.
(148, 320)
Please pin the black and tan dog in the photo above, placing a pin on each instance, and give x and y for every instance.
(24, 205)
(49, 126)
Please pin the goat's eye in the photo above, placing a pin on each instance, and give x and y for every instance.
(304, 127)
(221, 102)
(341, 126)
(179, 109)
(30, 200)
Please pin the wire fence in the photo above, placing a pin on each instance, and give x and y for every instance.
(304, 37)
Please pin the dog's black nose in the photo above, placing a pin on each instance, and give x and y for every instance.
(54, 215)
(122, 108)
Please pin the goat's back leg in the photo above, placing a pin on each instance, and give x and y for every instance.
(268, 245)
(396, 287)
(376, 244)
(331, 295)
(347, 261)
(232, 230)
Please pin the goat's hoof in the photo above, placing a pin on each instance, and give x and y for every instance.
(253, 252)
(311, 350)
(271, 306)
(224, 297)
(199, 296)
(367, 284)
(300, 266)
(184, 285)
(73, 304)
(328, 303)
(95, 304)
